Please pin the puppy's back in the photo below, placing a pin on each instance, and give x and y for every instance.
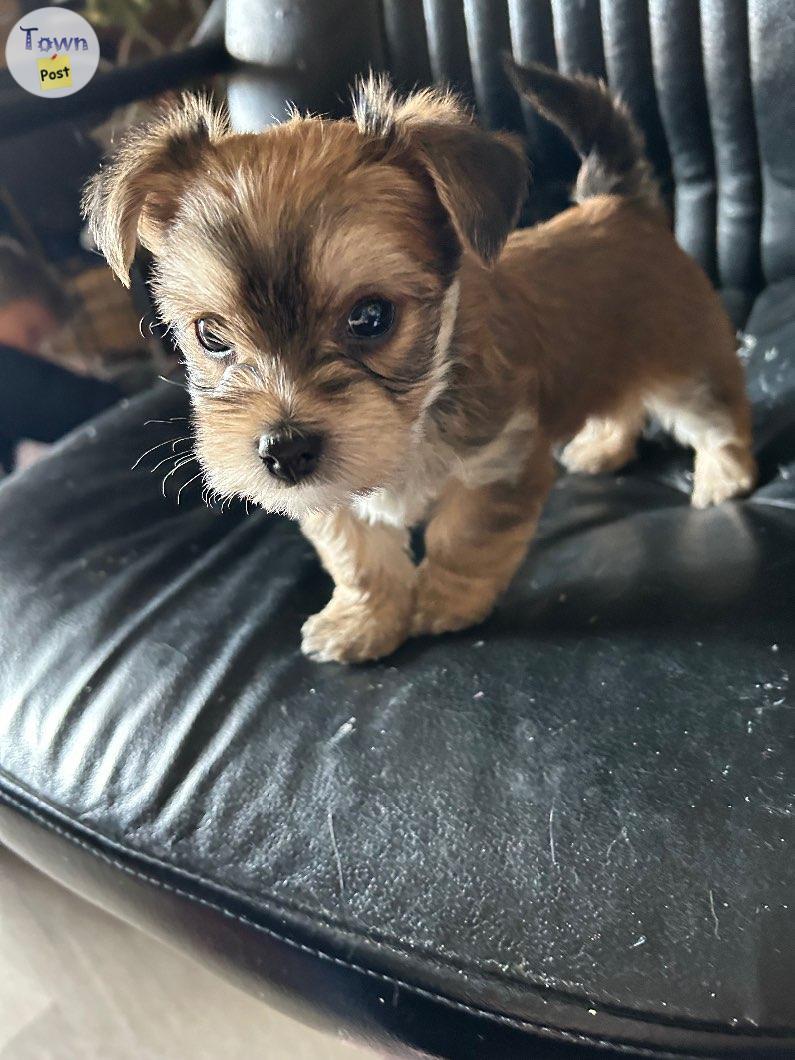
(600, 300)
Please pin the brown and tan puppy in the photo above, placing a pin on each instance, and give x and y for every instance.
(369, 347)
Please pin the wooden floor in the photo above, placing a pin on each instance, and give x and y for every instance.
(76, 984)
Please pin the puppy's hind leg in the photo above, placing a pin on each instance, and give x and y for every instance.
(712, 417)
(605, 443)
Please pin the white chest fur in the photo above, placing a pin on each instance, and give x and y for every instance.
(434, 462)
(406, 503)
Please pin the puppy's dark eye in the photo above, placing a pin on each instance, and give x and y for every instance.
(210, 339)
(371, 318)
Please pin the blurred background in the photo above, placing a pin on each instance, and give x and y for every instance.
(72, 339)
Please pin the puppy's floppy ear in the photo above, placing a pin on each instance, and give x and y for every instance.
(135, 195)
(480, 177)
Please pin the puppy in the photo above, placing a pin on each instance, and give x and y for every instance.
(370, 347)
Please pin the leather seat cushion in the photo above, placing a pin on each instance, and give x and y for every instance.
(577, 815)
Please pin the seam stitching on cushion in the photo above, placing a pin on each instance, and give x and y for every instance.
(510, 1021)
(448, 959)
(20, 803)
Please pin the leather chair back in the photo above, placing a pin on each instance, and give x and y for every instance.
(708, 81)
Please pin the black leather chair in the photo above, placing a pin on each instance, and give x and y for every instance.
(570, 828)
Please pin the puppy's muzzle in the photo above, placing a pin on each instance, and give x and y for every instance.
(289, 456)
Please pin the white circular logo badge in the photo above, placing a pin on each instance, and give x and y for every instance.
(52, 52)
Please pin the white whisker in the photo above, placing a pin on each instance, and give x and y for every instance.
(173, 382)
(148, 451)
(176, 467)
(184, 484)
(171, 456)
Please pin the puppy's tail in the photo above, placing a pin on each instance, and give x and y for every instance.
(601, 128)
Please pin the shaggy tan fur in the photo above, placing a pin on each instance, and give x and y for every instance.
(503, 347)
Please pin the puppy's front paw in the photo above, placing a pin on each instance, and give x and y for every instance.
(722, 474)
(447, 602)
(354, 628)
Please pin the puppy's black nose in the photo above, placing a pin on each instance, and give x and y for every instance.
(290, 457)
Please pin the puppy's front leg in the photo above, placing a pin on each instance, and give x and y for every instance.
(473, 545)
(370, 610)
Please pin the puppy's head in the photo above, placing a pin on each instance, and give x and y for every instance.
(309, 274)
